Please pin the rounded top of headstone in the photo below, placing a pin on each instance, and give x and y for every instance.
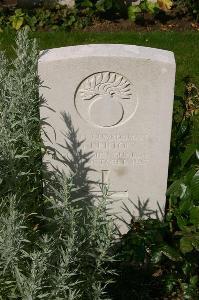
(107, 50)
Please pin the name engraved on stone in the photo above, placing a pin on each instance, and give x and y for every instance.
(127, 159)
(106, 99)
(116, 137)
(117, 149)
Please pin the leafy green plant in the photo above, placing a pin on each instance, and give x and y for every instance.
(168, 251)
(143, 7)
(148, 7)
(55, 17)
(17, 19)
(133, 11)
(102, 8)
(60, 17)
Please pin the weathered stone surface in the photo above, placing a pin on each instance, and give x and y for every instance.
(120, 99)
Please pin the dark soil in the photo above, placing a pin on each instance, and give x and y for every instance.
(144, 24)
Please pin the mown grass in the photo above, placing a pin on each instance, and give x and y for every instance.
(185, 46)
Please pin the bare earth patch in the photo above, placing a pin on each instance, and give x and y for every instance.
(147, 25)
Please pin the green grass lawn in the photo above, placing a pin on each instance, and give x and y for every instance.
(185, 46)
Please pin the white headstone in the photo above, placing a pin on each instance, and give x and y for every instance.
(120, 99)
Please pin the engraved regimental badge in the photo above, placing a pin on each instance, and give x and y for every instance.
(106, 99)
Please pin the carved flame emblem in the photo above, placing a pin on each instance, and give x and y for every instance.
(106, 99)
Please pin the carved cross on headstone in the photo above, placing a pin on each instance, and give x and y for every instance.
(105, 184)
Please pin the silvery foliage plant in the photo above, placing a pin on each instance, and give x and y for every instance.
(50, 248)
